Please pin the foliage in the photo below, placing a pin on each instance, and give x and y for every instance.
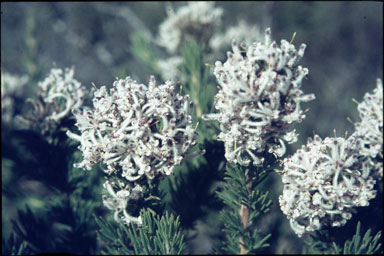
(198, 75)
(157, 235)
(367, 244)
(191, 189)
(14, 246)
(199, 86)
(143, 51)
(65, 219)
(241, 189)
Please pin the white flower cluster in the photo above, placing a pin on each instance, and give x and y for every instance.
(195, 21)
(259, 99)
(199, 22)
(58, 88)
(12, 88)
(136, 131)
(58, 93)
(323, 181)
(242, 32)
(370, 128)
(169, 67)
(118, 201)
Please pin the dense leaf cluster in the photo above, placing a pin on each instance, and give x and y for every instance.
(157, 235)
(241, 189)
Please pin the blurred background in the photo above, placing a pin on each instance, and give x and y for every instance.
(344, 56)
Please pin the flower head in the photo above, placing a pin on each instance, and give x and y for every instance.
(61, 92)
(323, 181)
(241, 32)
(195, 21)
(169, 68)
(58, 93)
(136, 130)
(259, 99)
(370, 127)
(118, 201)
(12, 89)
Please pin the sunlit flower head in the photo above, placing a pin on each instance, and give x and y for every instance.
(323, 182)
(370, 126)
(135, 130)
(259, 98)
(241, 32)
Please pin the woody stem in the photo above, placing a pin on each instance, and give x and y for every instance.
(244, 216)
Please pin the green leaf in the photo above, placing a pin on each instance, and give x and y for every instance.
(155, 236)
(143, 51)
(14, 246)
(199, 85)
(234, 193)
(321, 244)
(367, 245)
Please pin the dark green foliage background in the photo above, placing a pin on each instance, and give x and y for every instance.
(344, 56)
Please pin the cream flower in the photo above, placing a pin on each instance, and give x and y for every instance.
(370, 127)
(136, 130)
(195, 21)
(58, 93)
(118, 202)
(323, 181)
(259, 99)
(12, 89)
(241, 32)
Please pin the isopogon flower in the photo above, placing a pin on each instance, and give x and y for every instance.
(241, 32)
(195, 21)
(60, 88)
(136, 130)
(58, 93)
(169, 68)
(323, 181)
(370, 127)
(259, 98)
(119, 201)
(13, 88)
